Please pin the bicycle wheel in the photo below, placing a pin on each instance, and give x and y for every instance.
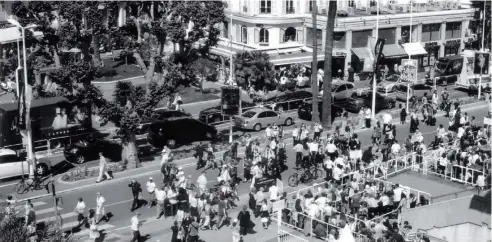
(293, 180)
(21, 187)
(316, 173)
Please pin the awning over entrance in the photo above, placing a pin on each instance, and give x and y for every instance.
(362, 53)
(414, 49)
(10, 35)
(299, 57)
(226, 51)
(393, 51)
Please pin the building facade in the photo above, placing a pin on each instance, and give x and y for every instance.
(284, 29)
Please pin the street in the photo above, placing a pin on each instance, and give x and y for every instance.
(118, 195)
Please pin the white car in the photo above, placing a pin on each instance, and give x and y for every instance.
(11, 165)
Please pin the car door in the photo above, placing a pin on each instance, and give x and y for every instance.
(339, 92)
(272, 117)
(10, 166)
(262, 119)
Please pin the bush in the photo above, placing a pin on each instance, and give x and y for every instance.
(106, 72)
(82, 172)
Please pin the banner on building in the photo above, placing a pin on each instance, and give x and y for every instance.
(21, 120)
(482, 63)
(409, 70)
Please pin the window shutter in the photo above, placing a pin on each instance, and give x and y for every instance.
(257, 6)
(257, 36)
(238, 33)
(274, 7)
(284, 7)
(298, 7)
(300, 36)
(282, 35)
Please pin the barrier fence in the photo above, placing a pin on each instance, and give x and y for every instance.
(284, 236)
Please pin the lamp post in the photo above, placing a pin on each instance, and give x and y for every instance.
(29, 148)
(483, 49)
(374, 81)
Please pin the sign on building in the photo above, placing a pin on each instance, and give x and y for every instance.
(230, 100)
(482, 62)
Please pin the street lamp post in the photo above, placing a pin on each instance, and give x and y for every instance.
(29, 148)
(375, 68)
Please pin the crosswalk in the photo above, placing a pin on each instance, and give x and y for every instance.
(45, 212)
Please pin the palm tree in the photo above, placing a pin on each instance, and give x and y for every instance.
(330, 25)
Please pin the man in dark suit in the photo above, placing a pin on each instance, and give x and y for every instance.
(244, 221)
(136, 189)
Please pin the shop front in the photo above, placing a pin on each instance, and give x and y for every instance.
(392, 56)
(338, 63)
(452, 47)
(432, 49)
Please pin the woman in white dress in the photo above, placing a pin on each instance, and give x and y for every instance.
(93, 231)
(100, 211)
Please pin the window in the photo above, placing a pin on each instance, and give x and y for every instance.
(244, 34)
(431, 32)
(339, 40)
(389, 35)
(289, 6)
(319, 37)
(341, 88)
(311, 5)
(262, 115)
(270, 114)
(360, 38)
(453, 30)
(351, 3)
(8, 159)
(225, 29)
(265, 6)
(290, 34)
(264, 38)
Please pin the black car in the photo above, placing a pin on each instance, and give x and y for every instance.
(87, 150)
(179, 131)
(214, 115)
(305, 110)
(358, 100)
(161, 114)
(289, 100)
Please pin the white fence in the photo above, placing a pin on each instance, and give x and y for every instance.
(284, 236)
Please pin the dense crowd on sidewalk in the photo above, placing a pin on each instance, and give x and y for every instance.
(354, 191)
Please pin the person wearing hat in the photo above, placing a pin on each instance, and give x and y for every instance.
(151, 190)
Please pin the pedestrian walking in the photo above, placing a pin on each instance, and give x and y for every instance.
(103, 168)
(30, 214)
(136, 189)
(135, 226)
(403, 114)
(100, 211)
(202, 183)
(151, 187)
(368, 114)
(244, 218)
(160, 197)
(175, 229)
(236, 236)
(80, 210)
(93, 230)
(193, 231)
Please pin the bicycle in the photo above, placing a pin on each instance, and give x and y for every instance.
(28, 184)
(309, 174)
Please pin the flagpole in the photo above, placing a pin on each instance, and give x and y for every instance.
(409, 55)
(375, 68)
(483, 49)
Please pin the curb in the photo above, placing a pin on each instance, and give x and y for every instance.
(440, 114)
(115, 81)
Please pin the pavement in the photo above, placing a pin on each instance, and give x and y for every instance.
(118, 195)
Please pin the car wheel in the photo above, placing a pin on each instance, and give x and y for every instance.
(79, 159)
(171, 143)
(257, 127)
(288, 122)
(41, 169)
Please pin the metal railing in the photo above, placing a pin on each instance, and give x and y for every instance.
(284, 236)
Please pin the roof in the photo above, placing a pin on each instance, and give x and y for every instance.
(471, 209)
(259, 109)
(393, 51)
(35, 103)
(13, 34)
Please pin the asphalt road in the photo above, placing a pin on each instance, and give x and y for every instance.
(118, 195)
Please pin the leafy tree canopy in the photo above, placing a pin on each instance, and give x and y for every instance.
(254, 68)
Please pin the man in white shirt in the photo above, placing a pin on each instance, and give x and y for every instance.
(298, 148)
(368, 115)
(202, 183)
(397, 191)
(331, 150)
(395, 148)
(337, 174)
(79, 209)
(151, 190)
(274, 193)
(268, 132)
(386, 120)
(295, 135)
(100, 207)
(317, 130)
(160, 196)
(328, 165)
(135, 226)
(165, 155)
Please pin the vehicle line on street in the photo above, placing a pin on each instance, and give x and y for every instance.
(193, 163)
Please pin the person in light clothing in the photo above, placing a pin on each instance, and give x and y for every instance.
(151, 190)
(202, 183)
(386, 120)
(161, 197)
(135, 226)
(103, 168)
(100, 208)
(368, 115)
(80, 209)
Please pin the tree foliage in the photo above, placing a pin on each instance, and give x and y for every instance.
(14, 229)
(254, 68)
(130, 106)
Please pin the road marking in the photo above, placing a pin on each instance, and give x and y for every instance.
(47, 210)
(64, 216)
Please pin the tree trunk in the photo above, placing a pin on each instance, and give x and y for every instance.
(330, 24)
(56, 57)
(129, 155)
(140, 62)
(314, 74)
(97, 54)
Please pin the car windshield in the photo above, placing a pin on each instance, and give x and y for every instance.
(249, 114)
(441, 65)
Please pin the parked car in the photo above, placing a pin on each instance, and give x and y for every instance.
(179, 131)
(259, 118)
(87, 150)
(399, 91)
(359, 99)
(305, 111)
(214, 115)
(340, 91)
(447, 70)
(161, 114)
(288, 101)
(11, 165)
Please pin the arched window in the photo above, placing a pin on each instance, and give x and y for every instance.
(244, 34)
(264, 35)
(290, 34)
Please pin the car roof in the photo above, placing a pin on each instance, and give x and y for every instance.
(259, 109)
(7, 152)
(338, 83)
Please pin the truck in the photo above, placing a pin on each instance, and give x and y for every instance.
(459, 70)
